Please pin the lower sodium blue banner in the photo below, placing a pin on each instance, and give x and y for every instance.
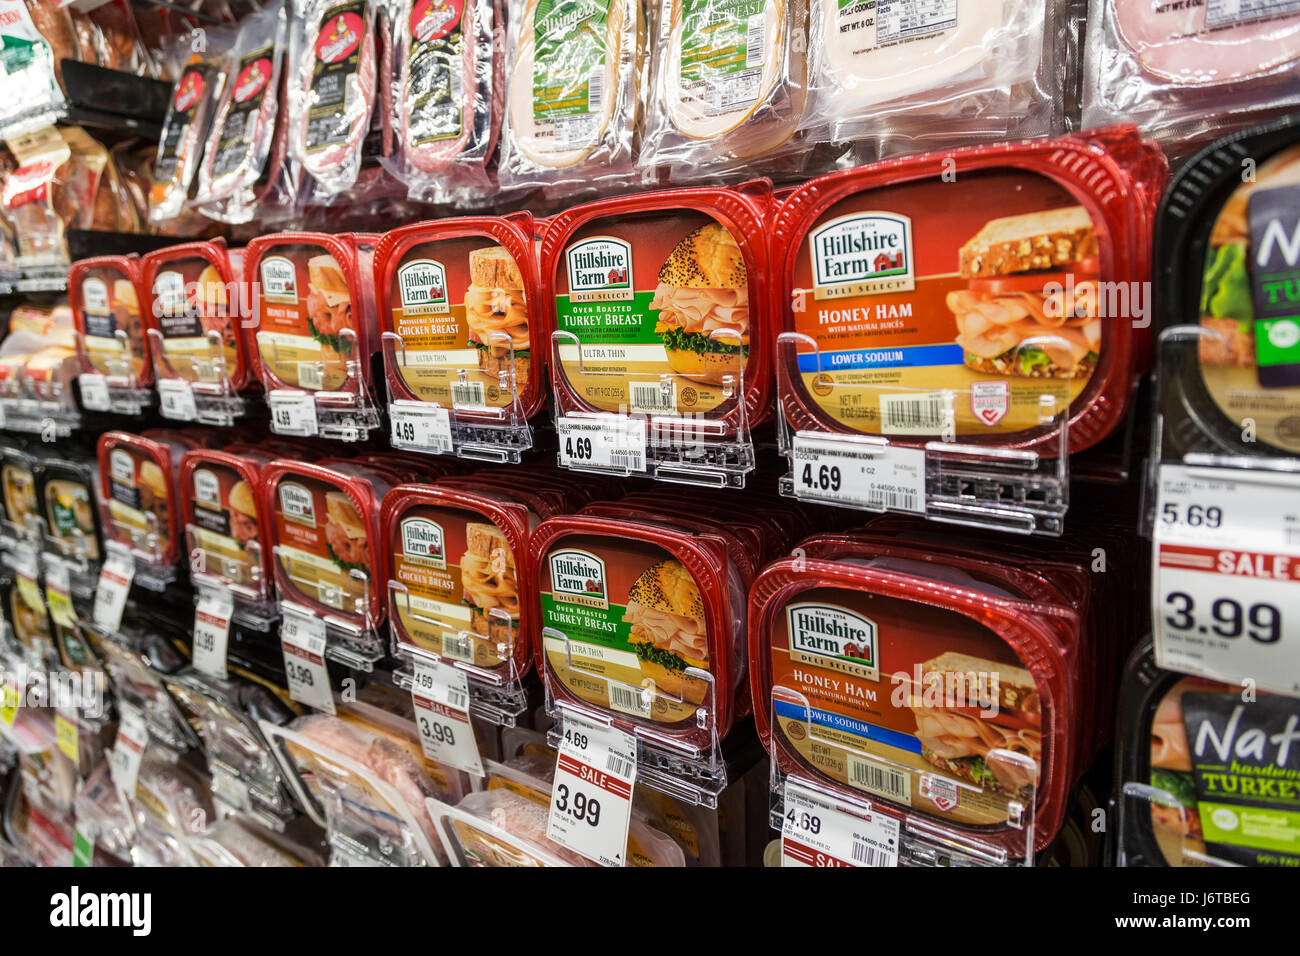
(858, 728)
(915, 356)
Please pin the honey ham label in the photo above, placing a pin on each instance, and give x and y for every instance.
(322, 542)
(190, 303)
(987, 288)
(109, 305)
(632, 617)
(306, 332)
(458, 305)
(462, 585)
(225, 522)
(659, 305)
(139, 503)
(904, 702)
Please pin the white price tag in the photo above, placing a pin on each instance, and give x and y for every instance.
(615, 443)
(94, 392)
(819, 831)
(110, 597)
(440, 693)
(1226, 576)
(176, 399)
(879, 477)
(591, 799)
(212, 631)
(303, 642)
(427, 428)
(293, 413)
(128, 750)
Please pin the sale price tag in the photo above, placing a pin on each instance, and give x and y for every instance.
(615, 443)
(128, 750)
(65, 734)
(1226, 576)
(94, 393)
(212, 631)
(114, 585)
(591, 799)
(293, 413)
(818, 831)
(303, 642)
(877, 477)
(176, 399)
(427, 428)
(440, 693)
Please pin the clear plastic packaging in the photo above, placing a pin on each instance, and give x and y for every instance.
(728, 81)
(34, 83)
(574, 87)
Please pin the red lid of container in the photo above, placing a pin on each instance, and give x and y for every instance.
(106, 294)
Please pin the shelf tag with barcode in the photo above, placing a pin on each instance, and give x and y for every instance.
(1226, 576)
(110, 597)
(440, 693)
(591, 799)
(860, 474)
(212, 631)
(819, 831)
(176, 399)
(128, 750)
(94, 392)
(293, 413)
(427, 428)
(303, 642)
(58, 593)
(65, 733)
(615, 443)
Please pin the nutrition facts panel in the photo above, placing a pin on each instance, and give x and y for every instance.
(905, 19)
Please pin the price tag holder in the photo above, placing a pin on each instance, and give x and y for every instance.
(58, 593)
(424, 428)
(94, 392)
(114, 585)
(293, 413)
(819, 831)
(176, 399)
(615, 443)
(591, 799)
(440, 693)
(877, 477)
(303, 641)
(128, 750)
(1226, 576)
(212, 631)
(65, 732)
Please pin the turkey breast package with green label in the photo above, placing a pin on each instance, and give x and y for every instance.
(939, 689)
(970, 294)
(660, 303)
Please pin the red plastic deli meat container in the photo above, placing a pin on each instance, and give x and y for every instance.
(855, 662)
(1007, 272)
(106, 294)
(324, 518)
(221, 493)
(137, 475)
(313, 311)
(461, 558)
(458, 294)
(677, 284)
(638, 605)
(191, 291)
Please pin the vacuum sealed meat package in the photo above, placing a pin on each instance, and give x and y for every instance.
(37, 36)
(574, 76)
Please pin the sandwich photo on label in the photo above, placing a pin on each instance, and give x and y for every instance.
(704, 289)
(153, 497)
(1031, 308)
(495, 306)
(489, 581)
(668, 633)
(995, 707)
(214, 309)
(243, 514)
(329, 306)
(345, 534)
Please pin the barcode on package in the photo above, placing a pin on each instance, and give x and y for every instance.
(457, 699)
(868, 855)
(652, 397)
(620, 765)
(897, 500)
(754, 31)
(629, 700)
(469, 394)
(917, 414)
(596, 89)
(880, 780)
(630, 458)
(309, 375)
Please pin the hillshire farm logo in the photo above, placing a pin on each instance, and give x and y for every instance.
(833, 638)
(600, 270)
(207, 490)
(94, 297)
(422, 538)
(121, 467)
(423, 286)
(339, 36)
(867, 253)
(296, 504)
(578, 577)
(279, 280)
